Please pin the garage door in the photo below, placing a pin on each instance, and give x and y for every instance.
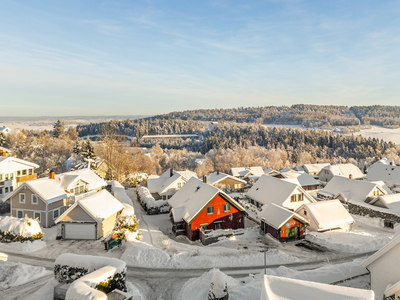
(82, 231)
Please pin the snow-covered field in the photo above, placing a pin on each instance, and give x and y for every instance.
(385, 134)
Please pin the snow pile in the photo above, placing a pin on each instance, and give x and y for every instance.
(218, 287)
(22, 247)
(150, 204)
(14, 274)
(249, 288)
(351, 242)
(25, 227)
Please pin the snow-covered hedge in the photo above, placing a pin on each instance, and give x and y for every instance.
(69, 267)
(152, 206)
(19, 229)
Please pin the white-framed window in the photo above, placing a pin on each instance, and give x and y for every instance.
(34, 199)
(36, 215)
(11, 176)
(80, 189)
(6, 190)
(6, 177)
(21, 198)
(300, 197)
(30, 171)
(20, 214)
(164, 197)
(18, 173)
(56, 213)
(227, 207)
(23, 172)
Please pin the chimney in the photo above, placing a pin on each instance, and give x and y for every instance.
(204, 179)
(171, 172)
(392, 163)
(351, 176)
(217, 172)
(52, 174)
(3, 153)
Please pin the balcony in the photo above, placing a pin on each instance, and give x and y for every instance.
(21, 179)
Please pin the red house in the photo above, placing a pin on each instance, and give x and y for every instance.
(198, 205)
(282, 224)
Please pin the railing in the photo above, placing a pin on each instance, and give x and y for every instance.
(24, 178)
(80, 196)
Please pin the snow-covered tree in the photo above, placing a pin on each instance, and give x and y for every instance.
(58, 129)
(2, 139)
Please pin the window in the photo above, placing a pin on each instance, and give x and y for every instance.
(21, 198)
(23, 172)
(164, 197)
(203, 226)
(1, 190)
(56, 213)
(34, 199)
(18, 173)
(179, 185)
(36, 215)
(80, 189)
(305, 213)
(30, 171)
(11, 176)
(300, 197)
(210, 210)
(293, 198)
(6, 189)
(1, 176)
(227, 207)
(6, 176)
(11, 188)
(217, 225)
(20, 214)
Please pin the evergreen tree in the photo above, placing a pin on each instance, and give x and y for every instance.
(58, 129)
(87, 152)
(77, 148)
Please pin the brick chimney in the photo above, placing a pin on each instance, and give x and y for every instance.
(52, 175)
(351, 176)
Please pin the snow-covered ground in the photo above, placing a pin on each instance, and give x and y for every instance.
(14, 274)
(385, 134)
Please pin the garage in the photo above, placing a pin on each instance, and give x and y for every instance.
(79, 231)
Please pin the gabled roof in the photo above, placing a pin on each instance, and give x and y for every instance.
(384, 161)
(158, 184)
(285, 170)
(4, 149)
(99, 206)
(269, 190)
(283, 288)
(245, 171)
(9, 159)
(314, 168)
(344, 170)
(389, 174)
(68, 179)
(300, 178)
(381, 252)
(270, 171)
(49, 190)
(277, 216)
(168, 182)
(328, 214)
(216, 177)
(350, 189)
(188, 201)
(391, 202)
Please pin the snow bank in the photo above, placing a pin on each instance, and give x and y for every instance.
(89, 262)
(249, 288)
(25, 227)
(348, 242)
(23, 247)
(150, 204)
(14, 274)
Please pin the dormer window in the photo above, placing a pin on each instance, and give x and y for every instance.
(80, 189)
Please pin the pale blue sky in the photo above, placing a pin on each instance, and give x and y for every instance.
(148, 57)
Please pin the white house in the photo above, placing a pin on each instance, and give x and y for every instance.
(344, 170)
(269, 190)
(5, 130)
(314, 169)
(241, 172)
(90, 218)
(384, 161)
(387, 173)
(384, 268)
(283, 288)
(14, 172)
(166, 185)
(326, 215)
(350, 190)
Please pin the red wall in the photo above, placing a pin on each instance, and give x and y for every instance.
(293, 223)
(233, 219)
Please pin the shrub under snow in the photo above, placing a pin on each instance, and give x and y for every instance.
(152, 206)
(19, 229)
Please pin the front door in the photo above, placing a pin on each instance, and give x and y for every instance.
(292, 233)
(217, 225)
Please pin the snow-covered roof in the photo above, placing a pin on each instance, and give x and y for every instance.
(285, 170)
(216, 177)
(383, 185)
(301, 178)
(384, 161)
(277, 216)
(391, 202)
(270, 171)
(352, 190)
(392, 289)
(99, 206)
(168, 182)
(158, 184)
(68, 179)
(245, 171)
(6, 129)
(389, 174)
(284, 288)
(193, 197)
(269, 190)
(10, 159)
(314, 168)
(328, 214)
(298, 168)
(3, 149)
(344, 170)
